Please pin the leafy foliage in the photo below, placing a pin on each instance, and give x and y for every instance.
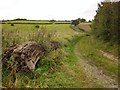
(75, 22)
(106, 22)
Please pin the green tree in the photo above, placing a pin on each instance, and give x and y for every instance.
(106, 22)
(75, 22)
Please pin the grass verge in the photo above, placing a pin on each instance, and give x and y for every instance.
(88, 48)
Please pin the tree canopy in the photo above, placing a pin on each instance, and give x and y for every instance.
(106, 23)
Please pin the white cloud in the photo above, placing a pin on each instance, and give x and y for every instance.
(48, 9)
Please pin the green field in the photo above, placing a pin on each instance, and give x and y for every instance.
(22, 32)
(66, 71)
(34, 22)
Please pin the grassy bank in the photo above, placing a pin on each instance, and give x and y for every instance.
(89, 48)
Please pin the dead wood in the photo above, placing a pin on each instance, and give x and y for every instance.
(27, 54)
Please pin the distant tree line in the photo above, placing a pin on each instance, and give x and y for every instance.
(77, 21)
(52, 20)
(20, 19)
(106, 23)
(81, 20)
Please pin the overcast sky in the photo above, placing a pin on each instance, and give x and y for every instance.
(48, 9)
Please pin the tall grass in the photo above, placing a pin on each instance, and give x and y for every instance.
(48, 65)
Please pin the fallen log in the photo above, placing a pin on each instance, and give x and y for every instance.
(27, 54)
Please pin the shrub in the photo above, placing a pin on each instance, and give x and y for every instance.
(12, 24)
(37, 26)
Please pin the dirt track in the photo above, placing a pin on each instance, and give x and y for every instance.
(93, 72)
